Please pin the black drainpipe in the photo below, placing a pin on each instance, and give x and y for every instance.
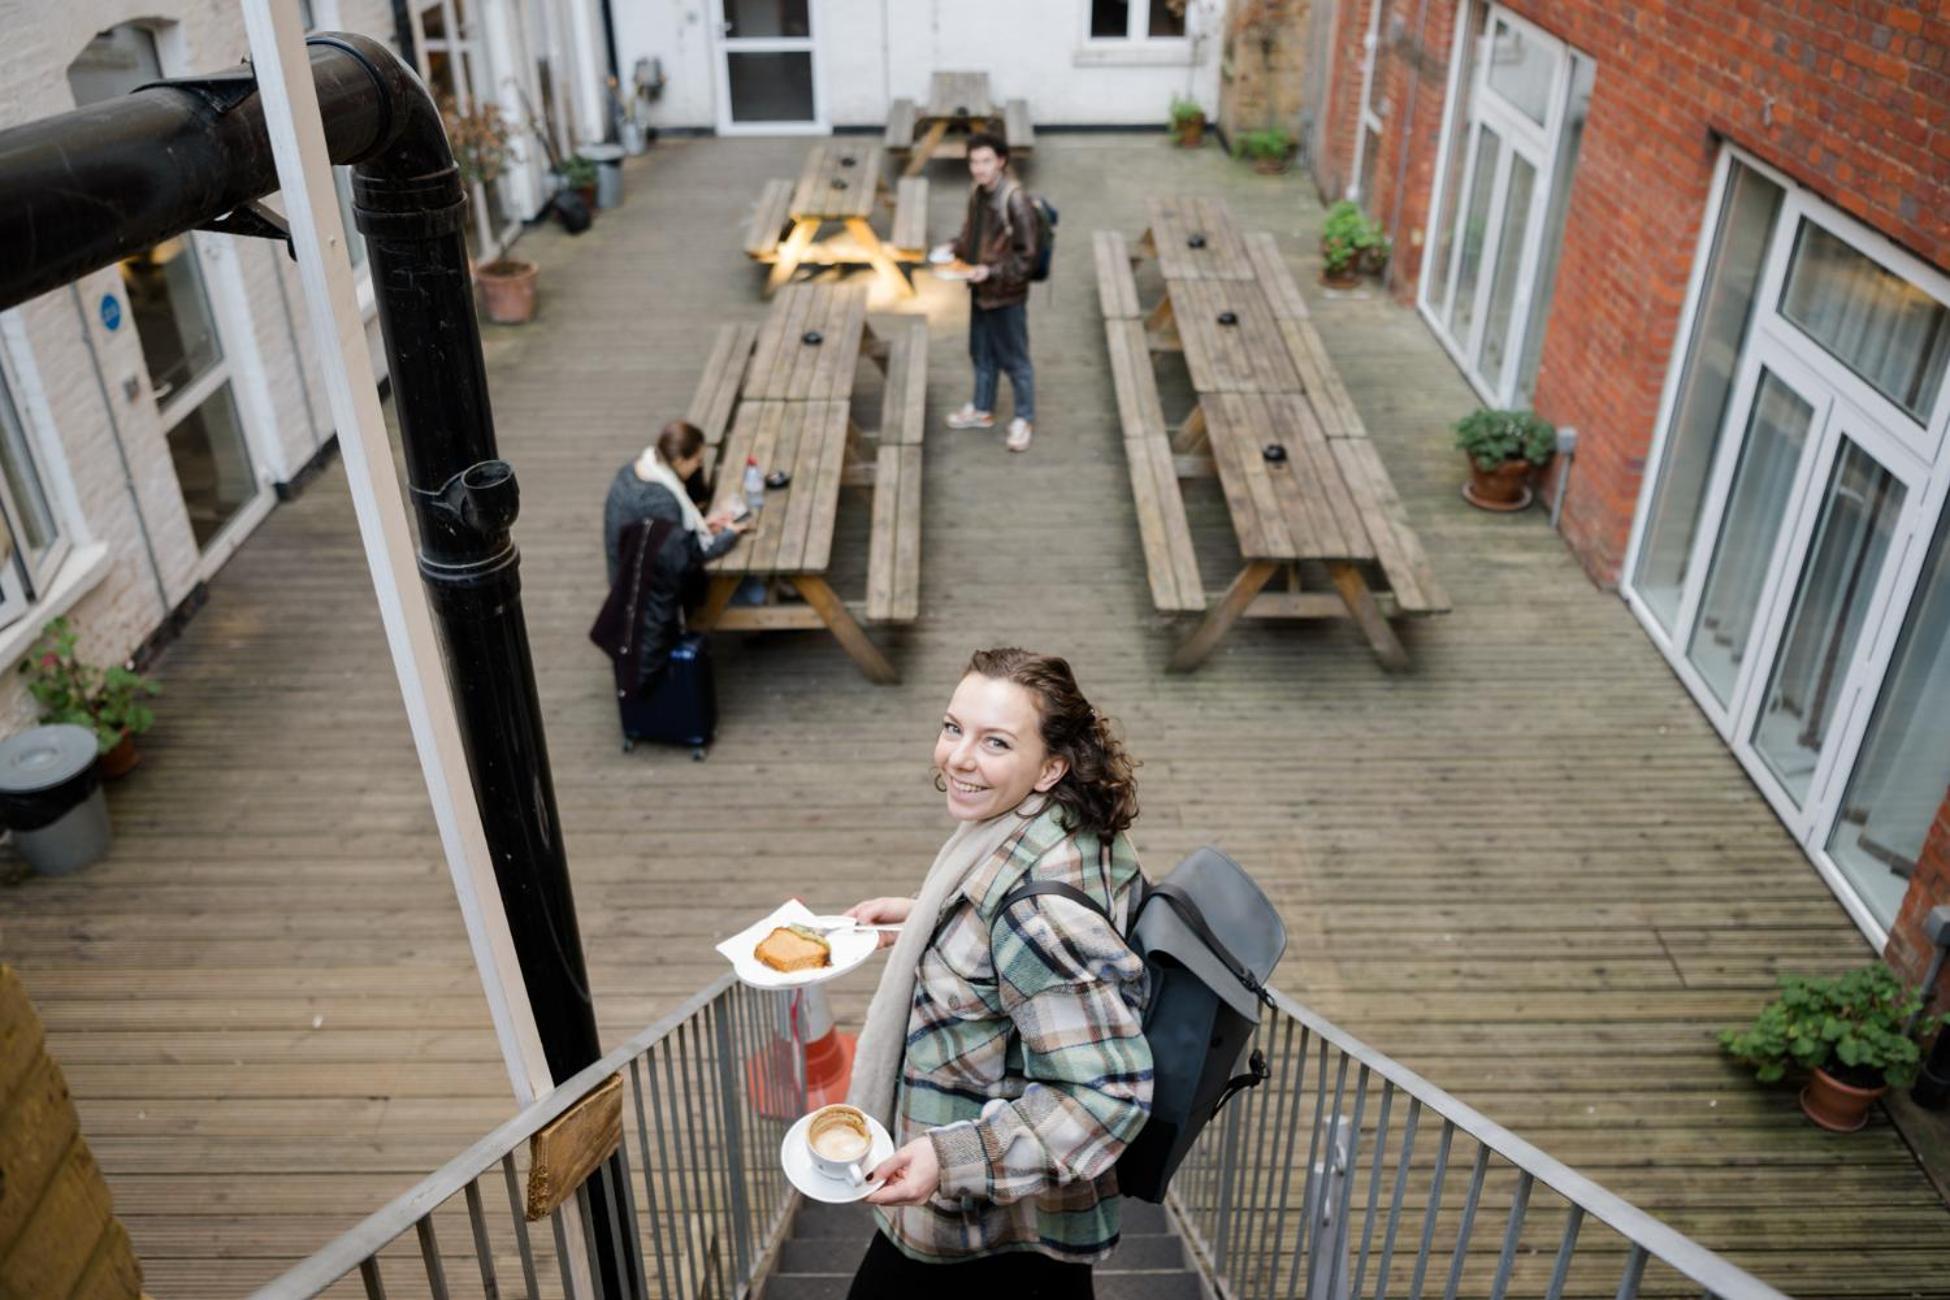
(87, 188)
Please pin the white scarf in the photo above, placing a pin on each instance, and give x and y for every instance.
(883, 1039)
(650, 468)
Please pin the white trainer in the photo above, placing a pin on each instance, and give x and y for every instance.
(1020, 432)
(970, 418)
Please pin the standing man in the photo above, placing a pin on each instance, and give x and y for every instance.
(998, 242)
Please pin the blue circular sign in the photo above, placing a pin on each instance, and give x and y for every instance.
(111, 312)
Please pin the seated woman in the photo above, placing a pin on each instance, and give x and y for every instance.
(655, 486)
(1005, 1051)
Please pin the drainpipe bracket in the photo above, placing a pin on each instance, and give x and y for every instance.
(219, 91)
(254, 220)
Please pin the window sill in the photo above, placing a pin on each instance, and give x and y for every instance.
(1166, 52)
(79, 574)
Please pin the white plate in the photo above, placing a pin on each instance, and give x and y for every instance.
(950, 273)
(850, 948)
(939, 257)
(806, 1176)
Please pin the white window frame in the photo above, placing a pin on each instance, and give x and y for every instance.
(1137, 31)
(1539, 146)
(1916, 452)
(1367, 120)
(724, 46)
(470, 57)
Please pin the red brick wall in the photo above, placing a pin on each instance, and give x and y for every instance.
(1908, 951)
(1851, 100)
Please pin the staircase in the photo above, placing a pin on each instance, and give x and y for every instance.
(817, 1260)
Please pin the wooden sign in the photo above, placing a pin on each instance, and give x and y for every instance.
(564, 1154)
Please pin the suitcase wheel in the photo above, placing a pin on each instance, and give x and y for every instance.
(698, 754)
(629, 744)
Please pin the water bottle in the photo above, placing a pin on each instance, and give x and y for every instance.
(754, 485)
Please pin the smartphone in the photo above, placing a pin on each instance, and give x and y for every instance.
(740, 509)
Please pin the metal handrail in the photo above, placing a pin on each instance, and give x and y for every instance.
(1262, 1223)
(1233, 1198)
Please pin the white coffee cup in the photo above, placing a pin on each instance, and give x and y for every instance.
(840, 1141)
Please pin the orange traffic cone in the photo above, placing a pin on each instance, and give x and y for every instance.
(807, 1064)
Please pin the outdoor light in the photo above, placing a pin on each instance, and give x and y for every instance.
(812, 338)
(1275, 453)
(1195, 241)
(1228, 317)
(847, 160)
(839, 182)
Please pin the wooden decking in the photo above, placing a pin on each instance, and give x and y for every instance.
(1527, 867)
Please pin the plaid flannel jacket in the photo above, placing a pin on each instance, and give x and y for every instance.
(1026, 1061)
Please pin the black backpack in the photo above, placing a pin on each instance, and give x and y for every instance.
(1209, 939)
(1046, 218)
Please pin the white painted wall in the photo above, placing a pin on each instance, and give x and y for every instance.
(870, 52)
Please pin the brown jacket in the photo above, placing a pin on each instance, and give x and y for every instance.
(999, 232)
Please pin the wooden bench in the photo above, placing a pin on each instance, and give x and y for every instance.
(910, 233)
(1398, 552)
(1117, 291)
(894, 545)
(769, 220)
(1163, 531)
(1016, 127)
(900, 126)
(717, 386)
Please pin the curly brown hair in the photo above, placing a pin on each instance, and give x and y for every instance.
(1099, 792)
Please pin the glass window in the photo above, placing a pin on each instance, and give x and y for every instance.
(766, 18)
(770, 87)
(1110, 20)
(1726, 309)
(1584, 74)
(1870, 319)
(1904, 766)
(114, 63)
(35, 525)
(1167, 18)
(1438, 283)
(1509, 256)
(1474, 228)
(171, 314)
(1521, 70)
(213, 466)
(1776, 431)
(1858, 517)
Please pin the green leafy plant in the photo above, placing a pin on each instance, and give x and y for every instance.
(110, 702)
(577, 172)
(480, 140)
(1494, 438)
(1185, 112)
(1265, 146)
(1350, 240)
(1852, 1026)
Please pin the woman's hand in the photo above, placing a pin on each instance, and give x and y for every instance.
(912, 1173)
(882, 911)
(978, 273)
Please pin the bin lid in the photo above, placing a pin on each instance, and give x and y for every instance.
(44, 757)
(602, 153)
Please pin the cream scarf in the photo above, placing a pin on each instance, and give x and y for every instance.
(650, 468)
(883, 1039)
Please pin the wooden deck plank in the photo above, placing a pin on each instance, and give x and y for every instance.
(281, 764)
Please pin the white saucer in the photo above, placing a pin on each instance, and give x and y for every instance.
(850, 948)
(806, 1176)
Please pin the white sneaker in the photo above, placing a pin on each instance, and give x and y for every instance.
(970, 418)
(1020, 432)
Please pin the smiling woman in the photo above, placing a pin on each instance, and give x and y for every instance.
(1000, 1180)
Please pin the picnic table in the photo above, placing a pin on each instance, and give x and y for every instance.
(1306, 494)
(959, 104)
(781, 392)
(841, 185)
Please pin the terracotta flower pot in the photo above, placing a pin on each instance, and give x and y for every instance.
(120, 758)
(508, 291)
(1270, 166)
(1347, 277)
(1836, 1106)
(588, 193)
(1503, 489)
(1191, 133)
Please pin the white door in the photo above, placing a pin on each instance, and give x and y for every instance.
(1519, 92)
(768, 69)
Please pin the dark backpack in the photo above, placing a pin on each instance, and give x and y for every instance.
(1209, 939)
(1046, 218)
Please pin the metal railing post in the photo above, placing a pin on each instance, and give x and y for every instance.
(729, 1068)
(1327, 1276)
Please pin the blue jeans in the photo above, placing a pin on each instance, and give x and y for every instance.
(998, 339)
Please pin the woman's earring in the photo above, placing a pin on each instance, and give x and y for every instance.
(940, 782)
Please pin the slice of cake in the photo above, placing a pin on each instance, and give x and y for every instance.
(794, 947)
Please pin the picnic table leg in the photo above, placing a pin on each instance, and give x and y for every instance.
(917, 161)
(1361, 605)
(1220, 618)
(852, 638)
(716, 600)
(876, 254)
(789, 254)
(1191, 434)
(1161, 328)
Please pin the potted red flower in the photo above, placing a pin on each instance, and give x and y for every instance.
(1857, 1035)
(112, 702)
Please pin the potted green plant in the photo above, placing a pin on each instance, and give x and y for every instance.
(1350, 243)
(1187, 122)
(1268, 150)
(111, 702)
(1503, 448)
(1858, 1034)
(480, 140)
(579, 174)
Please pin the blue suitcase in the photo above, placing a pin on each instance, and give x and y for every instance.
(681, 706)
